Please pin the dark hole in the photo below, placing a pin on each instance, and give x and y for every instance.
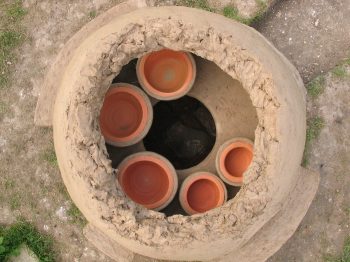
(174, 208)
(183, 131)
(118, 154)
(128, 74)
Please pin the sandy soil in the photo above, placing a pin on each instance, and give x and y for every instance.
(30, 183)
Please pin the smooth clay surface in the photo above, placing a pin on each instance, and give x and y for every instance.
(276, 92)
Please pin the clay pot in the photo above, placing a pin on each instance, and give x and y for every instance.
(166, 74)
(126, 115)
(233, 159)
(201, 192)
(148, 179)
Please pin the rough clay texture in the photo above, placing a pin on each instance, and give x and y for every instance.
(260, 247)
(44, 109)
(88, 77)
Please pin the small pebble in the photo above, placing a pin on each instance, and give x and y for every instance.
(317, 22)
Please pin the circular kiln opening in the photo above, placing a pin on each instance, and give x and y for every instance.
(190, 130)
(183, 131)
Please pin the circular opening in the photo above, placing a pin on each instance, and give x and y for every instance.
(238, 160)
(167, 71)
(203, 195)
(240, 99)
(123, 115)
(145, 182)
(183, 131)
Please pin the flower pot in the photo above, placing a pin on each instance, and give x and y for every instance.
(126, 115)
(166, 74)
(148, 179)
(233, 159)
(201, 192)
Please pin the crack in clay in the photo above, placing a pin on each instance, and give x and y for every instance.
(90, 156)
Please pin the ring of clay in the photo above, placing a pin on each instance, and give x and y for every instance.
(83, 158)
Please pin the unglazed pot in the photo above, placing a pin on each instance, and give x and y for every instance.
(166, 74)
(126, 115)
(148, 179)
(201, 192)
(233, 159)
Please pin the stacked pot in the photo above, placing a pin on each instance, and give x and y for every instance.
(148, 178)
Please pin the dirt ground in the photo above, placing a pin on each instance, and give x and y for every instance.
(327, 223)
(313, 34)
(30, 181)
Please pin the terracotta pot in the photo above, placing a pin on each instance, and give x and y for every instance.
(148, 179)
(166, 74)
(233, 159)
(126, 115)
(201, 192)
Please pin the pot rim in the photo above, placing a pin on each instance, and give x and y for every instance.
(182, 91)
(160, 161)
(146, 121)
(224, 150)
(186, 184)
